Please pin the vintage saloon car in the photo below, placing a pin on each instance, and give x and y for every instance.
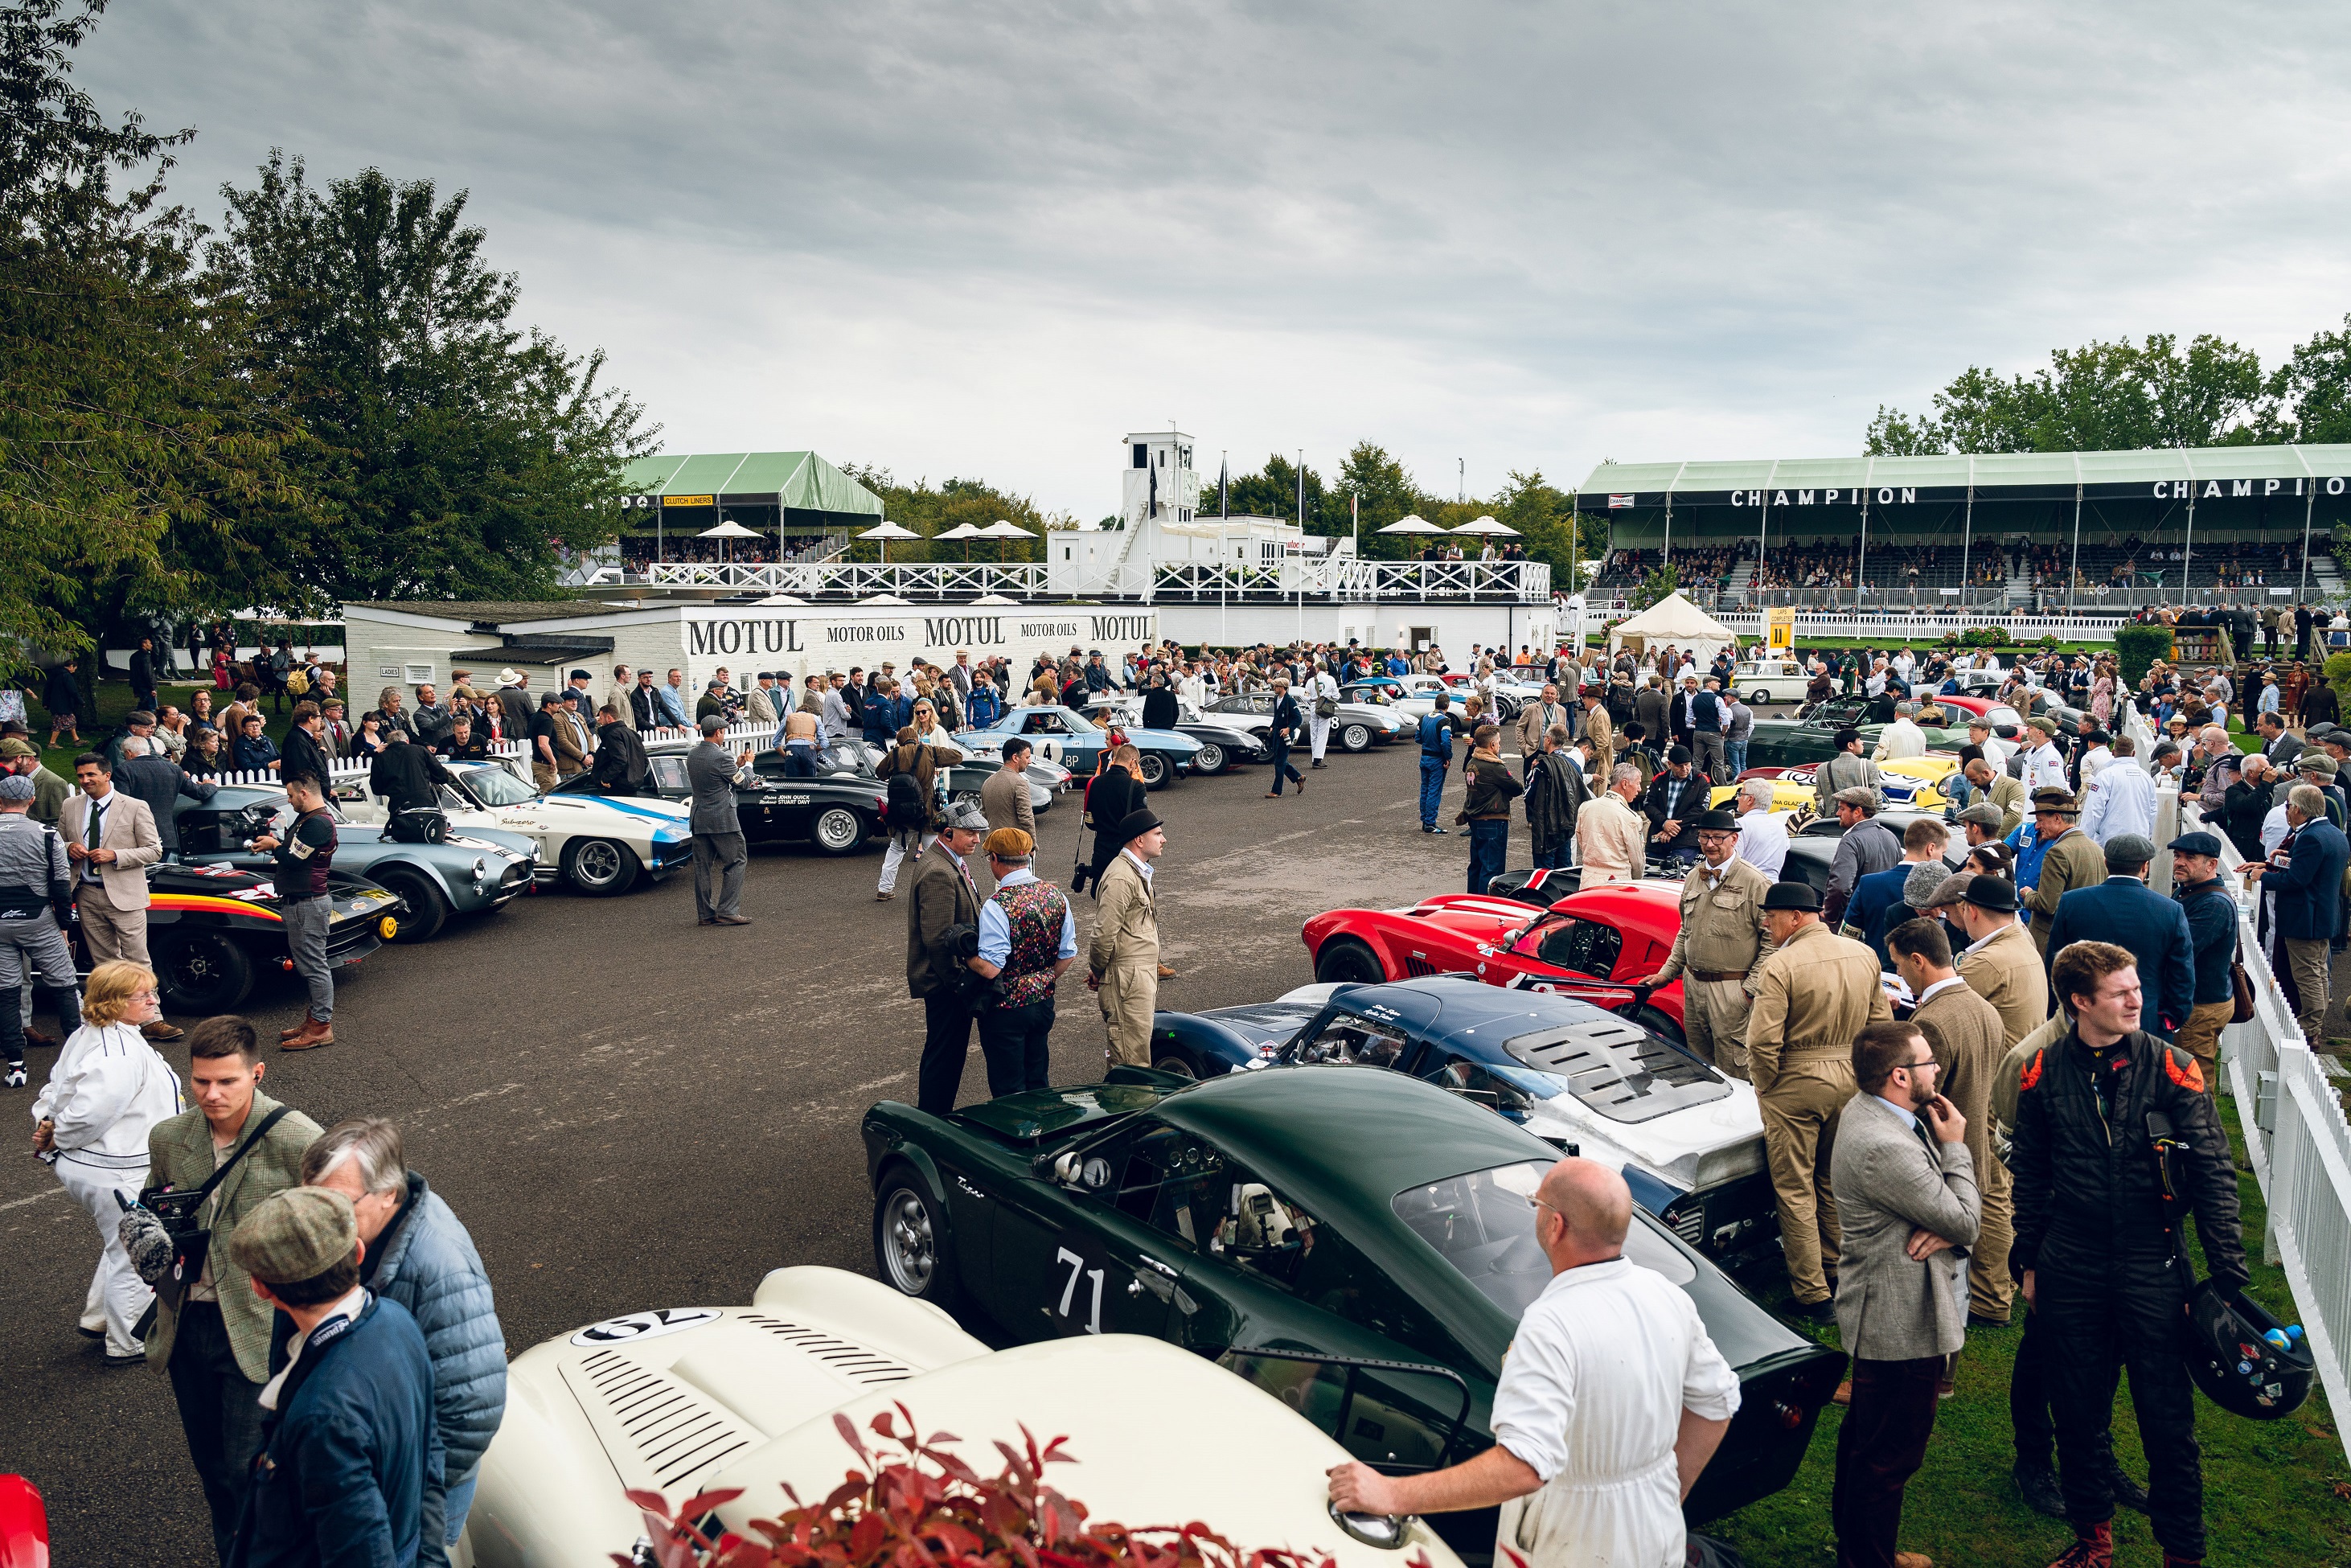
(834, 812)
(1689, 1139)
(477, 871)
(1328, 1209)
(689, 1400)
(1065, 736)
(213, 931)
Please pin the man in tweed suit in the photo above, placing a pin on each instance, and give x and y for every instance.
(214, 1343)
(1908, 1205)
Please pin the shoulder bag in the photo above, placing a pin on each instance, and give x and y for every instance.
(177, 1210)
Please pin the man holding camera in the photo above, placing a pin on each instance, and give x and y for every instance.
(212, 1333)
(942, 915)
(2100, 1267)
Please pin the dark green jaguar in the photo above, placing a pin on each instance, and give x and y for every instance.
(1359, 1243)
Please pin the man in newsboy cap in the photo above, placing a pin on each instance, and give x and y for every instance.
(354, 1456)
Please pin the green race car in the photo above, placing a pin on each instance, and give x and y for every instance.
(1321, 1211)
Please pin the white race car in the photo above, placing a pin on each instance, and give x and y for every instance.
(696, 1399)
(596, 845)
(1357, 726)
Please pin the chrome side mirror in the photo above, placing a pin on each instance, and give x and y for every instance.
(1065, 1167)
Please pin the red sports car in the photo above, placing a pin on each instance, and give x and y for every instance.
(1591, 944)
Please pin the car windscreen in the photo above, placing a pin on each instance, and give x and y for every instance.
(1483, 1224)
(1617, 1068)
(496, 786)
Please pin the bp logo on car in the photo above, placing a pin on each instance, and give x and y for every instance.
(647, 1325)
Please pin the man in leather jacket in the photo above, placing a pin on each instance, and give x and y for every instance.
(2098, 1265)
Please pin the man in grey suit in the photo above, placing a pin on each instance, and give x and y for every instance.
(1906, 1195)
(718, 848)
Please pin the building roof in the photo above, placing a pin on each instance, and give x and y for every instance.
(1988, 470)
(802, 481)
(488, 610)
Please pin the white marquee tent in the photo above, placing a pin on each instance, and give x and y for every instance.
(1673, 619)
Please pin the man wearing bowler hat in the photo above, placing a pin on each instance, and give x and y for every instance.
(1122, 963)
(352, 1467)
(1813, 996)
(2000, 962)
(1724, 936)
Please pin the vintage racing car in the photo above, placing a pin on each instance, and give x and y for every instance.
(1907, 783)
(1327, 1210)
(966, 778)
(1358, 725)
(595, 843)
(1688, 1138)
(1068, 738)
(685, 1400)
(212, 931)
(1225, 741)
(477, 872)
(835, 813)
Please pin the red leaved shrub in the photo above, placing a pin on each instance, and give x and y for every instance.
(923, 1507)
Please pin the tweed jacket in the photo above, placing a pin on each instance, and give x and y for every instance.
(130, 831)
(2072, 860)
(942, 897)
(1005, 798)
(1126, 929)
(1888, 1183)
(2007, 972)
(180, 1154)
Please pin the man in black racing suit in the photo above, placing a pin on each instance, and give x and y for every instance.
(2093, 1255)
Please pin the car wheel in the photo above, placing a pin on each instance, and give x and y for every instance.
(599, 867)
(838, 831)
(1210, 758)
(1177, 1062)
(1347, 962)
(1657, 1023)
(1506, 709)
(1156, 773)
(1758, 697)
(965, 798)
(1356, 737)
(910, 1242)
(203, 972)
(428, 912)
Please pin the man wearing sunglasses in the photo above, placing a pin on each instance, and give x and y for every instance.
(1908, 1209)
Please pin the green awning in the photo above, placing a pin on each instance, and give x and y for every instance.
(800, 481)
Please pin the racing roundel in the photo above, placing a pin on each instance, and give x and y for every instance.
(647, 1325)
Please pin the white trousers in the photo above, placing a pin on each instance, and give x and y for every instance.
(1320, 728)
(901, 847)
(118, 1296)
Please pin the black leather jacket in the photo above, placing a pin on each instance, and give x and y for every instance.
(2089, 1193)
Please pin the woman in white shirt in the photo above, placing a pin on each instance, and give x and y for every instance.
(108, 1088)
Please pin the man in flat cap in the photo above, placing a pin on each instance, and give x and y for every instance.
(2124, 911)
(2044, 764)
(1673, 803)
(2067, 860)
(1983, 822)
(49, 790)
(1813, 995)
(2322, 772)
(1723, 937)
(1993, 790)
(1122, 963)
(2203, 896)
(2304, 878)
(351, 1468)
(1867, 846)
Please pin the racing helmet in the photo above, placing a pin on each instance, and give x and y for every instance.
(2243, 1359)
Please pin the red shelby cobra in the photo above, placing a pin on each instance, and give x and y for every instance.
(1592, 944)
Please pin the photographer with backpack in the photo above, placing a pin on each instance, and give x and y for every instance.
(915, 774)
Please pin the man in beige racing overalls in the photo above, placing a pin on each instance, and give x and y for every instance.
(1123, 962)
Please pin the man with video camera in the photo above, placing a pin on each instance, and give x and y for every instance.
(2100, 1267)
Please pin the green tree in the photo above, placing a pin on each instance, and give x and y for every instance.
(1658, 582)
(2101, 397)
(1273, 493)
(2315, 383)
(455, 453)
(141, 468)
(930, 510)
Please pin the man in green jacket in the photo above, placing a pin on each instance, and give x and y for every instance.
(211, 1337)
(2072, 860)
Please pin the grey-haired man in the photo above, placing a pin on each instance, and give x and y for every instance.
(719, 851)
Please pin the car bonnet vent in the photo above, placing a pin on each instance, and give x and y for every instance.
(670, 1431)
(1621, 1070)
(853, 1362)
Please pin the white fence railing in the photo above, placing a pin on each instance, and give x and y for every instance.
(858, 580)
(2299, 1144)
(1327, 577)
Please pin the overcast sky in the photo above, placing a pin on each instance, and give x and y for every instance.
(990, 239)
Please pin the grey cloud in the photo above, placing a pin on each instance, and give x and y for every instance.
(989, 238)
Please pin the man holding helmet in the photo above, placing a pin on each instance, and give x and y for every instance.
(2094, 1250)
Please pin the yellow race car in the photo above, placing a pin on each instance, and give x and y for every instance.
(1914, 783)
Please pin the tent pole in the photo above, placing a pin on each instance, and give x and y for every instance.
(2073, 576)
(2309, 506)
(1967, 537)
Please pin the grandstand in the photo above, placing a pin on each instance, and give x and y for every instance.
(2096, 529)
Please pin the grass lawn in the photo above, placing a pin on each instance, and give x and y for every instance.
(2275, 1491)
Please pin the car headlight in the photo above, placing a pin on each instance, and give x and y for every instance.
(480, 867)
(387, 929)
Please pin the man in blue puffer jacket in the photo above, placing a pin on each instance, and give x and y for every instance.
(419, 1255)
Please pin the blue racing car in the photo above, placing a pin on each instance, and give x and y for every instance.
(1068, 738)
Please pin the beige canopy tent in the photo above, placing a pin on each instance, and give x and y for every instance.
(1673, 619)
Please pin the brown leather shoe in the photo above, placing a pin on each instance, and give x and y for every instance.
(46, 1041)
(1165, 973)
(732, 920)
(287, 1034)
(1843, 1394)
(1913, 1560)
(158, 1030)
(313, 1035)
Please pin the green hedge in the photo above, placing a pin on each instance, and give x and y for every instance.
(2137, 647)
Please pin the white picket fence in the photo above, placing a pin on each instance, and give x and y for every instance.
(760, 737)
(2300, 1144)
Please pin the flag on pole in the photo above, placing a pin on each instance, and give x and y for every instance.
(1224, 487)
